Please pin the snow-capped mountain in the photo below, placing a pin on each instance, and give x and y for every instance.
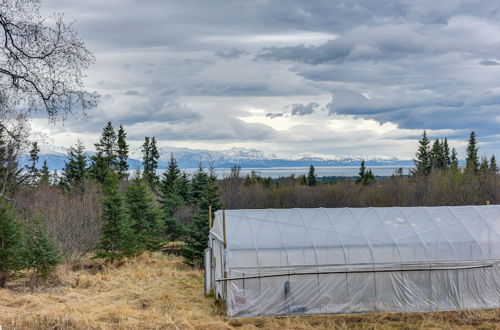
(246, 158)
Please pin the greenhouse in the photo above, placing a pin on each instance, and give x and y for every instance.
(351, 260)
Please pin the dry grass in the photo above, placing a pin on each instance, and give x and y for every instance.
(159, 292)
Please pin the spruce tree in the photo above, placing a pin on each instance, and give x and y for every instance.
(184, 186)
(472, 160)
(454, 160)
(199, 180)
(493, 165)
(197, 238)
(150, 161)
(43, 253)
(12, 252)
(370, 177)
(437, 155)
(172, 202)
(116, 236)
(446, 153)
(55, 179)
(31, 169)
(144, 216)
(422, 161)
(75, 168)
(171, 176)
(45, 176)
(171, 198)
(366, 177)
(484, 166)
(311, 177)
(362, 173)
(105, 158)
(122, 154)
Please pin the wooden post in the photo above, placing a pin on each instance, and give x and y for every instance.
(487, 202)
(210, 217)
(224, 227)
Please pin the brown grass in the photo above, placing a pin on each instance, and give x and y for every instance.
(159, 292)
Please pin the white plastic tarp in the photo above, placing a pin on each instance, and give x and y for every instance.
(309, 261)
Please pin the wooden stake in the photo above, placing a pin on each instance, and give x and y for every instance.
(224, 227)
(210, 217)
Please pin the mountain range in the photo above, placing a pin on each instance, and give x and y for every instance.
(246, 158)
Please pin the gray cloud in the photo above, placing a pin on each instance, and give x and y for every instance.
(299, 109)
(273, 115)
(418, 64)
(232, 53)
(487, 62)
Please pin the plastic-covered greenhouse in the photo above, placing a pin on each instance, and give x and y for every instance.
(349, 260)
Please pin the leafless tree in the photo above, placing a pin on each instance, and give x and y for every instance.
(41, 70)
(41, 63)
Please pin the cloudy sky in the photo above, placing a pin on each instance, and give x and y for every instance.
(323, 76)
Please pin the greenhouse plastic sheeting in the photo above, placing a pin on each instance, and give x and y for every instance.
(347, 260)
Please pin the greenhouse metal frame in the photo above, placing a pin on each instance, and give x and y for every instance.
(264, 262)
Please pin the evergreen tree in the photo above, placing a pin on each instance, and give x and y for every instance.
(31, 169)
(446, 153)
(45, 176)
(454, 160)
(311, 177)
(116, 237)
(144, 216)
(12, 251)
(43, 253)
(437, 157)
(493, 165)
(75, 168)
(370, 177)
(422, 161)
(197, 238)
(171, 198)
(171, 176)
(366, 177)
(55, 179)
(184, 187)
(122, 154)
(150, 161)
(106, 158)
(198, 182)
(362, 173)
(172, 202)
(484, 166)
(472, 160)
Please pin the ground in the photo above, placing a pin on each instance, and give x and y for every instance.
(160, 292)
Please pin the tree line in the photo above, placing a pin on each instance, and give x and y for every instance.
(437, 178)
(139, 213)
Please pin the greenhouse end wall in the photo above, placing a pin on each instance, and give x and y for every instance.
(322, 261)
